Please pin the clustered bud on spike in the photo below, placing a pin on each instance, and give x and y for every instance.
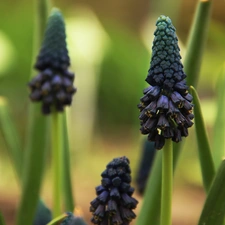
(114, 203)
(53, 86)
(166, 108)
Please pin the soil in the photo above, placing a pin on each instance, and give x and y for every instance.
(187, 205)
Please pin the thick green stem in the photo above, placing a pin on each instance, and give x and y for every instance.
(67, 181)
(167, 183)
(151, 201)
(57, 161)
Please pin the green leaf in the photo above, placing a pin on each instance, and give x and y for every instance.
(219, 126)
(34, 164)
(11, 137)
(196, 41)
(36, 141)
(205, 156)
(58, 219)
(67, 182)
(214, 209)
(2, 220)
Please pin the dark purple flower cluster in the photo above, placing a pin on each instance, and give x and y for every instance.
(53, 86)
(114, 203)
(166, 108)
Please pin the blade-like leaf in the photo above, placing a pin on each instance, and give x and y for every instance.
(219, 126)
(214, 209)
(36, 137)
(205, 156)
(33, 165)
(196, 41)
(11, 137)
(15, 150)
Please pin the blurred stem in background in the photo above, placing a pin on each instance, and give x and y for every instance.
(35, 143)
(219, 125)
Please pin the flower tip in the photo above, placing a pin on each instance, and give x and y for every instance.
(55, 12)
(163, 18)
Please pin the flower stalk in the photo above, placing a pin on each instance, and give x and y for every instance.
(57, 161)
(167, 183)
(67, 179)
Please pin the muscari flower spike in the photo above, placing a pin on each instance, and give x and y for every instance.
(114, 203)
(165, 108)
(53, 86)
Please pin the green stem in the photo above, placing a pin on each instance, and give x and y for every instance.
(151, 201)
(67, 182)
(167, 183)
(57, 161)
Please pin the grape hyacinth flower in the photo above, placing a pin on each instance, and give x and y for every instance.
(114, 203)
(53, 86)
(165, 108)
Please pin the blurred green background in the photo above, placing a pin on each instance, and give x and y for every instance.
(110, 47)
